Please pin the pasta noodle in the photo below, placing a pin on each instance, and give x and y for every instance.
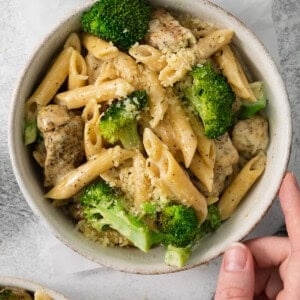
(98, 47)
(73, 41)
(157, 95)
(178, 64)
(233, 71)
(172, 175)
(77, 71)
(241, 184)
(185, 137)
(205, 146)
(149, 56)
(76, 179)
(213, 42)
(140, 180)
(203, 172)
(49, 86)
(108, 90)
(92, 137)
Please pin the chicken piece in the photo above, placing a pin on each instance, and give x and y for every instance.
(94, 67)
(251, 136)
(198, 27)
(51, 117)
(226, 157)
(166, 33)
(63, 140)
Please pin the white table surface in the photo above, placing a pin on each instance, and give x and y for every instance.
(25, 243)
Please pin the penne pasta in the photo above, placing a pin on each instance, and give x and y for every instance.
(98, 47)
(172, 175)
(77, 71)
(49, 86)
(212, 43)
(203, 172)
(141, 182)
(235, 192)
(158, 104)
(149, 56)
(233, 71)
(92, 136)
(185, 137)
(106, 91)
(76, 179)
(73, 41)
(178, 64)
(205, 146)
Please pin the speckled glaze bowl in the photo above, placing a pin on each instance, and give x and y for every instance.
(249, 212)
(29, 286)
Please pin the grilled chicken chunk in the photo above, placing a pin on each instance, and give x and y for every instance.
(166, 33)
(63, 141)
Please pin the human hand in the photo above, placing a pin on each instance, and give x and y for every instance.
(269, 267)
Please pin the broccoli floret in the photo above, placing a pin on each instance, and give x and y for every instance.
(177, 256)
(123, 22)
(104, 206)
(30, 132)
(249, 109)
(178, 225)
(212, 98)
(119, 122)
(212, 221)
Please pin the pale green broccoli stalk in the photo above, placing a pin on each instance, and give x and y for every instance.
(103, 206)
(123, 22)
(212, 97)
(177, 256)
(249, 109)
(119, 121)
(30, 132)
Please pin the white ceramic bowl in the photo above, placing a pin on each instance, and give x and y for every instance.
(250, 211)
(28, 286)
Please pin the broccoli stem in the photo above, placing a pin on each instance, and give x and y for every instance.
(177, 256)
(129, 226)
(129, 137)
(30, 132)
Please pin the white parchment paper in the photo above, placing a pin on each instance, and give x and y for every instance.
(41, 16)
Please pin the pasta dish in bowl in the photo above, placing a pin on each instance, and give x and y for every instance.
(151, 130)
(12, 288)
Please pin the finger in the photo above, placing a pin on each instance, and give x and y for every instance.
(261, 278)
(289, 195)
(289, 272)
(269, 251)
(236, 277)
(274, 285)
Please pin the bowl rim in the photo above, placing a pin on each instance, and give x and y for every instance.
(44, 220)
(28, 285)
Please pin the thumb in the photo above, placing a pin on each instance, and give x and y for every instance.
(236, 277)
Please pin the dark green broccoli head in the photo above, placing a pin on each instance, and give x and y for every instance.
(119, 122)
(212, 97)
(178, 224)
(123, 22)
(8, 295)
(212, 221)
(99, 192)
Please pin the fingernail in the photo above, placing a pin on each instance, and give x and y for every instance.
(235, 258)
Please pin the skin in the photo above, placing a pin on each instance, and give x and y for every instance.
(268, 267)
